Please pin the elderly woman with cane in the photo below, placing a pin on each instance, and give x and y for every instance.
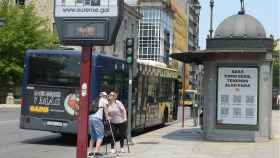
(118, 120)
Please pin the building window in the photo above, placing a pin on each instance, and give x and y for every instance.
(125, 24)
(132, 29)
(20, 2)
(151, 33)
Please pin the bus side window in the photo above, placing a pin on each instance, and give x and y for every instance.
(151, 99)
(106, 81)
(121, 85)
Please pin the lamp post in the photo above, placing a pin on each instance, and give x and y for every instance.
(211, 18)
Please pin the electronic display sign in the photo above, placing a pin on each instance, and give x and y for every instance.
(88, 22)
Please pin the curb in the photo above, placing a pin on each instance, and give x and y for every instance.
(9, 105)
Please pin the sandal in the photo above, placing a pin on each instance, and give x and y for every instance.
(91, 154)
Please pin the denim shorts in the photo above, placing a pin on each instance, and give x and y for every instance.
(96, 128)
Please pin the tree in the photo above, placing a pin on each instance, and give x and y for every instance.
(23, 30)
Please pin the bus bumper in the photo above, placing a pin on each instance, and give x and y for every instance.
(45, 124)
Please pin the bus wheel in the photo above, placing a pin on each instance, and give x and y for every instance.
(165, 116)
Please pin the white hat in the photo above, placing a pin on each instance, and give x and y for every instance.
(102, 94)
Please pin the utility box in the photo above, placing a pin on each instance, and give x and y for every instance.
(237, 89)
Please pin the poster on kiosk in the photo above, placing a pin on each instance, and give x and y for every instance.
(237, 96)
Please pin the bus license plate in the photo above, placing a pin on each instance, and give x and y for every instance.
(54, 123)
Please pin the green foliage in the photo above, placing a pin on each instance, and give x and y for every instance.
(23, 30)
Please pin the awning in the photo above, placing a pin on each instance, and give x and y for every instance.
(203, 55)
(190, 57)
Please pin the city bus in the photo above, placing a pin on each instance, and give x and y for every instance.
(190, 97)
(50, 90)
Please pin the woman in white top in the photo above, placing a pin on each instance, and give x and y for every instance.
(118, 118)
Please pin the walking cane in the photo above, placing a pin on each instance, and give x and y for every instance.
(113, 137)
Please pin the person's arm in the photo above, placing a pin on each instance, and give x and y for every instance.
(106, 113)
(105, 106)
(123, 111)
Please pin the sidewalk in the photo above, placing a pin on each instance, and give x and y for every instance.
(176, 142)
(9, 105)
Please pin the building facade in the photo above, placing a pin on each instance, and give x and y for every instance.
(193, 71)
(193, 13)
(180, 23)
(179, 29)
(155, 30)
(43, 8)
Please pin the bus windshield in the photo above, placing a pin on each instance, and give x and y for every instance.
(54, 70)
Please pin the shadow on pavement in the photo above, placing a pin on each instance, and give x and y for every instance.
(59, 140)
(71, 140)
(56, 140)
(193, 134)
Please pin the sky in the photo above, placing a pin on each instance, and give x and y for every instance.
(266, 11)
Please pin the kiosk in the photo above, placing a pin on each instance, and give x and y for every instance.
(237, 84)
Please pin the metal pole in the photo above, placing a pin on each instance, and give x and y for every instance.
(130, 79)
(85, 75)
(183, 115)
(211, 18)
(183, 90)
(242, 10)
